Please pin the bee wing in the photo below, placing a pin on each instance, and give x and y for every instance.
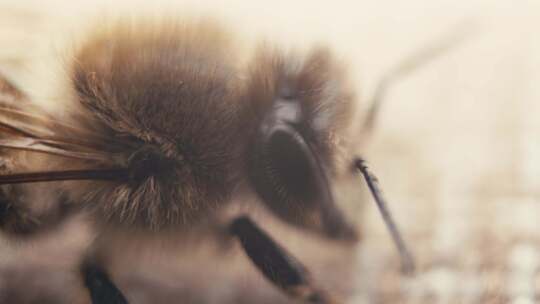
(52, 147)
(61, 149)
(69, 150)
(27, 131)
(15, 126)
(10, 94)
(25, 126)
(34, 130)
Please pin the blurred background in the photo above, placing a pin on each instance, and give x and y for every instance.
(456, 148)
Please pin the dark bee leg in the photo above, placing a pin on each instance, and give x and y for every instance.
(102, 289)
(276, 264)
(407, 261)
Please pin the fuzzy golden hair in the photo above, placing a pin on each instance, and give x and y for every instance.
(164, 99)
(320, 84)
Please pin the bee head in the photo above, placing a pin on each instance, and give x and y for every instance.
(300, 110)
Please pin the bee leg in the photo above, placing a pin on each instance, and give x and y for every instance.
(102, 289)
(276, 264)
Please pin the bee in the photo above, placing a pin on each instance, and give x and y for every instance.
(163, 128)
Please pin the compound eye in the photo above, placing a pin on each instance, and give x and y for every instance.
(292, 182)
(290, 166)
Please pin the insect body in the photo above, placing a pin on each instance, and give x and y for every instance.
(162, 127)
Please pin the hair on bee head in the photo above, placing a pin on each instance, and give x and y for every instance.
(316, 80)
(300, 107)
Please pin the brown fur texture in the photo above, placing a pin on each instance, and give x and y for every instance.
(165, 96)
(318, 81)
(165, 100)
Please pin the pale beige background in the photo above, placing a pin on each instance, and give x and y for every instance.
(457, 147)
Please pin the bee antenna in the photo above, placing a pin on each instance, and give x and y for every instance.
(413, 62)
(407, 260)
